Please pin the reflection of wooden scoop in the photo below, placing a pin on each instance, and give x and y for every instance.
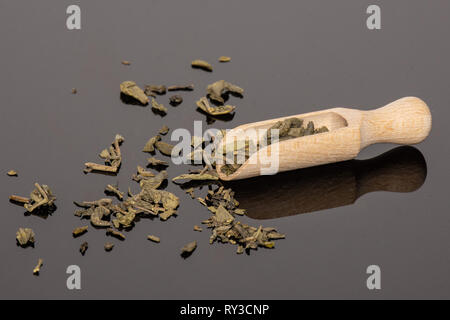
(404, 121)
(402, 169)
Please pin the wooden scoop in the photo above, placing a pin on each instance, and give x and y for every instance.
(404, 121)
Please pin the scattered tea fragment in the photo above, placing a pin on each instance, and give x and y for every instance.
(204, 105)
(97, 216)
(104, 213)
(188, 249)
(79, 231)
(164, 148)
(197, 228)
(19, 200)
(96, 211)
(110, 189)
(115, 233)
(154, 238)
(109, 246)
(197, 176)
(25, 236)
(131, 89)
(74, 90)
(142, 174)
(126, 63)
(158, 107)
(12, 173)
(175, 100)
(40, 198)
(201, 64)
(150, 145)
(149, 89)
(157, 163)
(164, 130)
(112, 157)
(189, 87)
(224, 59)
(145, 173)
(218, 88)
(37, 269)
(154, 182)
(83, 248)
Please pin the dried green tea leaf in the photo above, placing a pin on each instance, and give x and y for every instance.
(222, 215)
(218, 88)
(115, 233)
(144, 173)
(197, 228)
(87, 204)
(149, 89)
(38, 267)
(112, 157)
(108, 246)
(131, 89)
(40, 197)
(175, 100)
(224, 59)
(164, 148)
(124, 220)
(164, 130)
(154, 182)
(321, 130)
(240, 249)
(25, 236)
(79, 231)
(154, 238)
(204, 176)
(83, 248)
(189, 248)
(150, 145)
(74, 90)
(189, 87)
(201, 64)
(115, 191)
(97, 217)
(156, 162)
(19, 199)
(190, 191)
(204, 105)
(159, 107)
(12, 173)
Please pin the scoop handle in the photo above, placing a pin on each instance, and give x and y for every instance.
(404, 121)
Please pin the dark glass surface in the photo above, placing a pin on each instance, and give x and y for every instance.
(390, 210)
